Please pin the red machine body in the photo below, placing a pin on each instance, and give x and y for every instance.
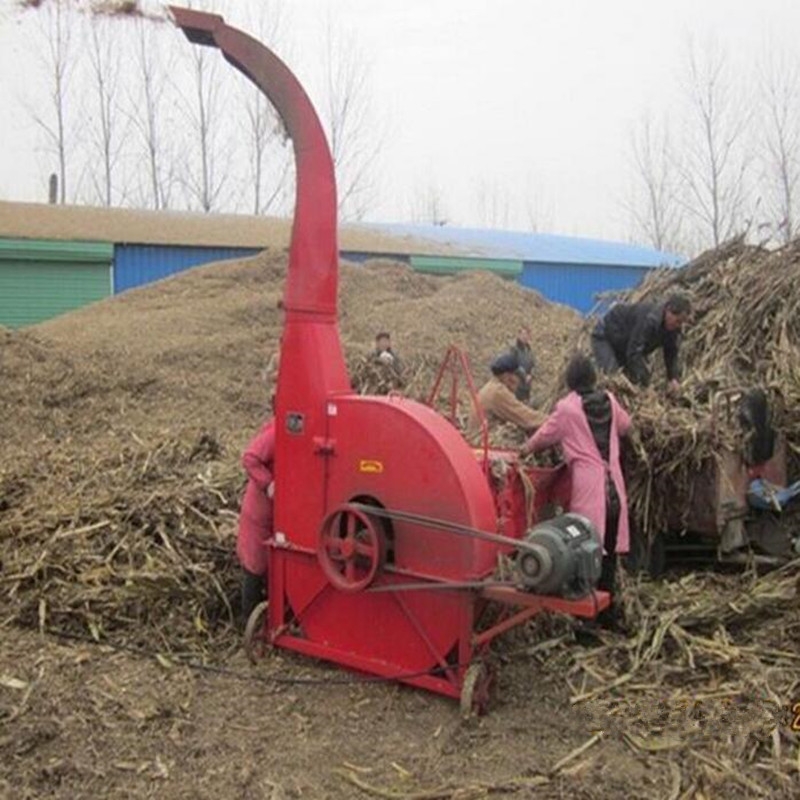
(372, 492)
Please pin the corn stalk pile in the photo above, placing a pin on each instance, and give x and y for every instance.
(705, 682)
(136, 549)
(414, 379)
(744, 334)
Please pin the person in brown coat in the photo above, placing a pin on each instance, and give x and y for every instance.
(497, 398)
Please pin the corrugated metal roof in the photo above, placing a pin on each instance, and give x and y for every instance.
(141, 226)
(133, 226)
(535, 247)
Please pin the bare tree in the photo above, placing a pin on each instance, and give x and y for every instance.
(152, 63)
(108, 134)
(494, 204)
(715, 164)
(538, 209)
(204, 179)
(655, 207)
(428, 206)
(266, 143)
(269, 159)
(538, 213)
(354, 136)
(55, 28)
(780, 89)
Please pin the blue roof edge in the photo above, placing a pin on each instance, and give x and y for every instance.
(533, 247)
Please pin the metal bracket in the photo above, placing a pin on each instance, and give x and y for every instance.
(324, 446)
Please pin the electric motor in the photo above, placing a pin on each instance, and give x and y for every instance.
(564, 558)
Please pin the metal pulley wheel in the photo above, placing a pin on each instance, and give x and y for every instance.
(256, 643)
(535, 566)
(350, 549)
(475, 690)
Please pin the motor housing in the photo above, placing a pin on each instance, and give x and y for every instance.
(565, 559)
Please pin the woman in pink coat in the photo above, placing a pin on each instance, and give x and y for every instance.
(588, 424)
(255, 518)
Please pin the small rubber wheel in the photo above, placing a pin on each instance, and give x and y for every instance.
(256, 643)
(475, 690)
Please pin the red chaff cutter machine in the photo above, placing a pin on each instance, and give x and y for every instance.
(388, 526)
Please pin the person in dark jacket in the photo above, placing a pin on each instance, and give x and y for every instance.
(521, 350)
(629, 332)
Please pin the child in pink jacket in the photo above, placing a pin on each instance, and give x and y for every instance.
(588, 424)
(255, 518)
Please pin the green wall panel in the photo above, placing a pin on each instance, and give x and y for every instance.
(32, 292)
(440, 265)
(56, 250)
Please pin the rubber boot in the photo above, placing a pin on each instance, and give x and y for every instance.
(254, 591)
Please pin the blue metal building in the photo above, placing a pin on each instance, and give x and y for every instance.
(578, 285)
(565, 269)
(137, 264)
(148, 246)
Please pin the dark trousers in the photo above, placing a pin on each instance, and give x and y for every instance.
(254, 591)
(608, 574)
(605, 356)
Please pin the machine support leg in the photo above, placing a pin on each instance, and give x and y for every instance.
(276, 613)
(448, 669)
(465, 650)
(517, 619)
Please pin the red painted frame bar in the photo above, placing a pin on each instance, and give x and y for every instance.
(385, 670)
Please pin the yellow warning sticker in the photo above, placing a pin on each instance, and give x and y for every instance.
(374, 467)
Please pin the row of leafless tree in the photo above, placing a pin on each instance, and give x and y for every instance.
(132, 115)
(725, 162)
(495, 206)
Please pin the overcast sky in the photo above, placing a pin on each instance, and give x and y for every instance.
(535, 98)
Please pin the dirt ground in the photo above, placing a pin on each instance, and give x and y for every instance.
(91, 722)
